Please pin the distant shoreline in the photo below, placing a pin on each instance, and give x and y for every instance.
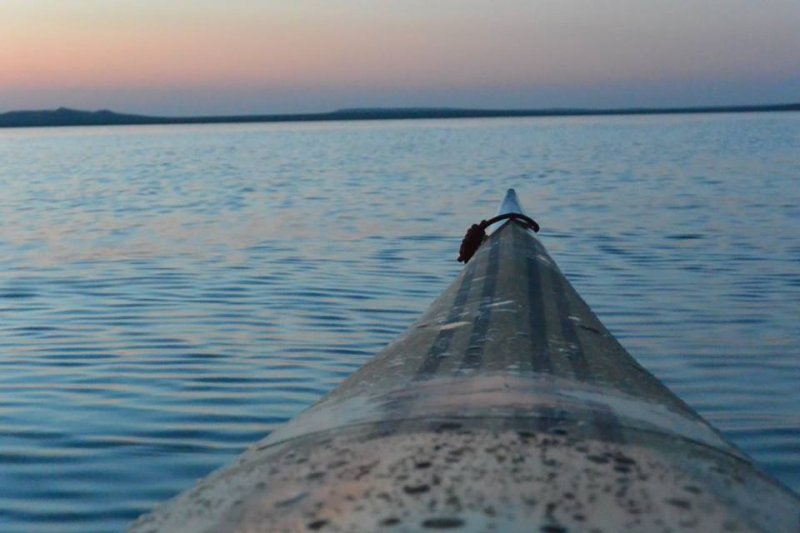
(73, 117)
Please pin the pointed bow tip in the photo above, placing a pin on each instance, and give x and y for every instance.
(510, 204)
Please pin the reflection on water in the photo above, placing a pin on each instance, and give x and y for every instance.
(168, 295)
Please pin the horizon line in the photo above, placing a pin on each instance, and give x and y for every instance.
(64, 116)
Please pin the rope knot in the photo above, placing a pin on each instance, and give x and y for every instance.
(477, 233)
(474, 237)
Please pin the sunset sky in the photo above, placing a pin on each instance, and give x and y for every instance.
(243, 56)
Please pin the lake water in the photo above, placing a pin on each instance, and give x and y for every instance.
(170, 294)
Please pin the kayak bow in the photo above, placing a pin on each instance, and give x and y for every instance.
(507, 406)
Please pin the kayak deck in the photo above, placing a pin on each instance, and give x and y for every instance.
(507, 406)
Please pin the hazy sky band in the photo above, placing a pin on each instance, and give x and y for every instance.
(311, 55)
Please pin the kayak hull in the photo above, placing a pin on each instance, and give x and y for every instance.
(507, 406)
(481, 474)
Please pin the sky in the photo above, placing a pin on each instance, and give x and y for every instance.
(181, 57)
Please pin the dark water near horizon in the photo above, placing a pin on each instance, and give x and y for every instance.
(170, 294)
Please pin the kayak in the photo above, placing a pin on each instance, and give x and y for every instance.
(507, 406)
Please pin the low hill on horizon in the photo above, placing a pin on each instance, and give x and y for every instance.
(64, 116)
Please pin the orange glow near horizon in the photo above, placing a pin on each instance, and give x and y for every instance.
(314, 45)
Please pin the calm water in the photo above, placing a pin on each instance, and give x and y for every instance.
(169, 295)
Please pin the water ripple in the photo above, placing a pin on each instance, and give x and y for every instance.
(169, 295)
